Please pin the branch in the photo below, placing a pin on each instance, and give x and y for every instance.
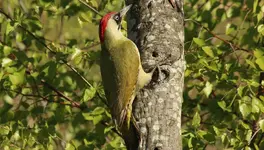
(233, 46)
(48, 48)
(74, 104)
(90, 7)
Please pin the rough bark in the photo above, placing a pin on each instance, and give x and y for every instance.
(158, 30)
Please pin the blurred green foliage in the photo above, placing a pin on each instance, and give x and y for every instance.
(48, 47)
(224, 98)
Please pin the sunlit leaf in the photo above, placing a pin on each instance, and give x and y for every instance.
(261, 124)
(208, 50)
(252, 64)
(97, 119)
(196, 120)
(89, 94)
(245, 109)
(199, 42)
(261, 29)
(18, 77)
(260, 62)
(208, 89)
(240, 91)
(4, 130)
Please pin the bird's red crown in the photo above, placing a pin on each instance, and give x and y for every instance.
(103, 24)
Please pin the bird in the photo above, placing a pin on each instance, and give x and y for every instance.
(122, 73)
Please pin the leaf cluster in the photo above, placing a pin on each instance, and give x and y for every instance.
(224, 99)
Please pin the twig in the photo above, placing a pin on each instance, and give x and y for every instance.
(91, 46)
(43, 44)
(74, 104)
(253, 137)
(90, 7)
(242, 24)
(233, 46)
(44, 98)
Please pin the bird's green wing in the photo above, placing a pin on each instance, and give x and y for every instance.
(120, 75)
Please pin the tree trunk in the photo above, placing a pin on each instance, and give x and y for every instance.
(158, 30)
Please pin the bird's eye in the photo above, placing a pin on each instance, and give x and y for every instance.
(117, 18)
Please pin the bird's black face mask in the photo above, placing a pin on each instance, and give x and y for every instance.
(117, 17)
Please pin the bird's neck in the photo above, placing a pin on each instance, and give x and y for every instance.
(113, 37)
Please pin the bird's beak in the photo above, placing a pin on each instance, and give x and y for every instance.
(125, 10)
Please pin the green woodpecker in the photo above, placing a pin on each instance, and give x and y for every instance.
(121, 69)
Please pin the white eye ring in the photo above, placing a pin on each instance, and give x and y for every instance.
(116, 17)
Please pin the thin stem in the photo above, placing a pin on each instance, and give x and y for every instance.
(46, 46)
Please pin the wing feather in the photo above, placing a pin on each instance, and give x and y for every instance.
(120, 68)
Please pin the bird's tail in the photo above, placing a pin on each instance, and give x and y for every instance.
(131, 134)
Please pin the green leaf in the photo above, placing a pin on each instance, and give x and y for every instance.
(213, 66)
(190, 145)
(86, 142)
(97, 119)
(261, 97)
(6, 62)
(208, 89)
(87, 116)
(258, 53)
(260, 62)
(254, 83)
(4, 130)
(199, 42)
(116, 143)
(227, 67)
(31, 140)
(93, 3)
(216, 130)
(255, 4)
(250, 63)
(107, 129)
(222, 104)
(89, 94)
(9, 28)
(245, 125)
(1, 75)
(86, 17)
(230, 28)
(18, 77)
(98, 111)
(257, 105)
(261, 29)
(260, 16)
(208, 50)
(69, 146)
(196, 120)
(261, 124)
(248, 135)
(50, 69)
(77, 52)
(244, 109)
(240, 90)
(7, 50)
